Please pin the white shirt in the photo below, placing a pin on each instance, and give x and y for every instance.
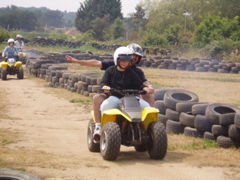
(19, 44)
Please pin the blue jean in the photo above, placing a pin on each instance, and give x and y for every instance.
(113, 102)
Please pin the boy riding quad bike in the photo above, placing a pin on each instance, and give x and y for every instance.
(11, 65)
(129, 126)
(126, 119)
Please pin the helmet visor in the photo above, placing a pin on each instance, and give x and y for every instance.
(125, 56)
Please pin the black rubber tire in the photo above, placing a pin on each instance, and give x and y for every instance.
(186, 106)
(234, 132)
(214, 111)
(141, 148)
(4, 73)
(157, 146)
(174, 127)
(159, 104)
(172, 97)
(110, 141)
(193, 132)
(159, 93)
(201, 123)
(237, 120)
(93, 147)
(224, 142)
(13, 174)
(187, 119)
(173, 115)
(219, 130)
(209, 135)
(199, 109)
(226, 119)
(162, 118)
(20, 74)
(95, 88)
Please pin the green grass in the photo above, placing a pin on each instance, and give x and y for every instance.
(6, 142)
(189, 143)
(82, 101)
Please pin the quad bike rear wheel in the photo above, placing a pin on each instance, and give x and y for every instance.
(4, 73)
(157, 146)
(92, 146)
(110, 141)
(20, 73)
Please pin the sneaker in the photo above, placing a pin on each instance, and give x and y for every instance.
(96, 134)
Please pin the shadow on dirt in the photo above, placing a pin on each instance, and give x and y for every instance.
(130, 157)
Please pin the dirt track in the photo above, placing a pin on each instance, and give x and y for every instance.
(55, 128)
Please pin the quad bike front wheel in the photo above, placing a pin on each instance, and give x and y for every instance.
(20, 73)
(4, 73)
(92, 146)
(110, 141)
(157, 146)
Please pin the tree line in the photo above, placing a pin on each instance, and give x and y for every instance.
(34, 19)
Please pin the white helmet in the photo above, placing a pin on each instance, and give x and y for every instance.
(122, 53)
(137, 49)
(19, 36)
(11, 40)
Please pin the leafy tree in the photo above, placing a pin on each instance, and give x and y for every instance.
(216, 28)
(16, 19)
(100, 26)
(53, 18)
(3, 34)
(139, 19)
(154, 38)
(92, 9)
(117, 29)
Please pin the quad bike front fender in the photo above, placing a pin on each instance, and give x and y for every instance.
(111, 115)
(18, 64)
(149, 115)
(5, 64)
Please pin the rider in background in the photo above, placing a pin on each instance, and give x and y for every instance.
(19, 42)
(10, 51)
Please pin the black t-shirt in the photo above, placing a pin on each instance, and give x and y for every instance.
(120, 80)
(109, 63)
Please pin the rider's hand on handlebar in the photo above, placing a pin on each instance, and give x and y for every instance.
(106, 89)
(149, 90)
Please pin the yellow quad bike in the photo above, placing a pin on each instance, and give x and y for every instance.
(11, 67)
(129, 126)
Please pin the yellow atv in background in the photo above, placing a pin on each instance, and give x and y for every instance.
(12, 67)
(129, 126)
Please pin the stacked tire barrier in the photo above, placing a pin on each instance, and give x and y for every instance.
(57, 74)
(194, 64)
(166, 62)
(182, 113)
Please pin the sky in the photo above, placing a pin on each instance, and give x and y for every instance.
(128, 6)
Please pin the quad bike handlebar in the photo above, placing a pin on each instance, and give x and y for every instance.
(126, 91)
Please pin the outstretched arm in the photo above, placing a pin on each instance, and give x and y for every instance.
(91, 62)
